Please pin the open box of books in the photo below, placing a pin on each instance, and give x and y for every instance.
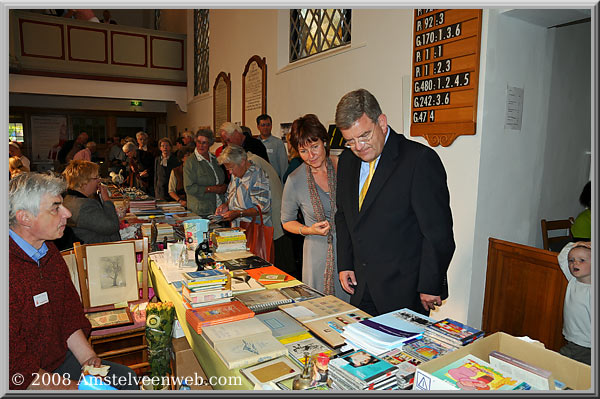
(514, 364)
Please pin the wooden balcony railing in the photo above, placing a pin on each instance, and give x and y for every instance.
(60, 47)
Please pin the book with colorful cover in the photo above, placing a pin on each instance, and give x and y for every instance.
(264, 300)
(256, 273)
(473, 374)
(424, 348)
(362, 368)
(216, 314)
(455, 331)
(205, 275)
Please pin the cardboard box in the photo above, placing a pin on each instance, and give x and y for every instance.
(574, 374)
(185, 364)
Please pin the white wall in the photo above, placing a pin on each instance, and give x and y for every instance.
(523, 173)
(566, 164)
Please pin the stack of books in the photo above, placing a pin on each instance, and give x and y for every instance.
(360, 370)
(453, 333)
(205, 287)
(142, 205)
(228, 239)
(164, 230)
(387, 331)
(217, 314)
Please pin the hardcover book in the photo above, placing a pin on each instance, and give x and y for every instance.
(275, 277)
(534, 376)
(301, 344)
(195, 297)
(473, 374)
(249, 350)
(216, 314)
(205, 275)
(300, 292)
(256, 273)
(191, 305)
(242, 282)
(281, 324)
(264, 300)
(325, 317)
(250, 262)
(455, 331)
(235, 329)
(273, 371)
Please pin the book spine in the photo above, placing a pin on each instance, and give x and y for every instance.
(199, 298)
(222, 240)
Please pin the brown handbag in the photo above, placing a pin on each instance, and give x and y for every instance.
(259, 238)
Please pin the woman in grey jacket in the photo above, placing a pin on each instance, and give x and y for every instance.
(93, 220)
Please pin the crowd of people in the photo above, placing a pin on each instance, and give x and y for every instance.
(351, 212)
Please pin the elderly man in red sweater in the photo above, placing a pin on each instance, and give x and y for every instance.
(48, 330)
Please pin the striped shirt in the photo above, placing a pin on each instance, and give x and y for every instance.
(248, 191)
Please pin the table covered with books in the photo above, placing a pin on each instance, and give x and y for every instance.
(261, 337)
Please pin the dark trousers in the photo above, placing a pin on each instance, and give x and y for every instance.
(124, 377)
(577, 352)
(366, 303)
(284, 255)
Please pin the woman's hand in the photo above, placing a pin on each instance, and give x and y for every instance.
(230, 215)
(319, 228)
(103, 191)
(222, 209)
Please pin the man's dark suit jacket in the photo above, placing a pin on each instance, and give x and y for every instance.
(401, 242)
(256, 147)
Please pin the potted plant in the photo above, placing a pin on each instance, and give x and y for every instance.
(159, 324)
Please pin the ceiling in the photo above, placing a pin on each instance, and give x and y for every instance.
(548, 17)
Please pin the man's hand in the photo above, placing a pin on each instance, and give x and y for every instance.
(348, 281)
(429, 302)
(93, 361)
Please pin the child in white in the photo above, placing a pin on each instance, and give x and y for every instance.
(575, 262)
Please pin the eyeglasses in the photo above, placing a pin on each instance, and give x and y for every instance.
(362, 139)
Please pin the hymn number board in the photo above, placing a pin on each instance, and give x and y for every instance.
(445, 74)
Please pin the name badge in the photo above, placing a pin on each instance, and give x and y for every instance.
(270, 150)
(40, 299)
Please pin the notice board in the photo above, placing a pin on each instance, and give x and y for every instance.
(445, 74)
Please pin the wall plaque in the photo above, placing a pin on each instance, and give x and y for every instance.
(445, 74)
(221, 101)
(254, 90)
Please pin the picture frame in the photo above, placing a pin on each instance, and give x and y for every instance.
(110, 318)
(112, 273)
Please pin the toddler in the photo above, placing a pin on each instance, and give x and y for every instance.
(575, 262)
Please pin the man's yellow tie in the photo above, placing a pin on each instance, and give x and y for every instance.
(365, 187)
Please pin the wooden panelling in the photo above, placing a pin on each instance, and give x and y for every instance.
(524, 293)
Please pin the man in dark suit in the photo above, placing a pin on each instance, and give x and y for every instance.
(393, 219)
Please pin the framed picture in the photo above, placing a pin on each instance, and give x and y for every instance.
(112, 273)
(110, 318)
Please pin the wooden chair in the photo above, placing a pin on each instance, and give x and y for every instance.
(127, 344)
(556, 243)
